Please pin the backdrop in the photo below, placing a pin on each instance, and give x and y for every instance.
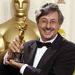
(67, 8)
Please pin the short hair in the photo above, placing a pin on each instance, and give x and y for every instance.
(46, 9)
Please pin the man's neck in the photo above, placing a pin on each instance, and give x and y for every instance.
(49, 40)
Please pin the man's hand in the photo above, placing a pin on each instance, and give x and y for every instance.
(13, 63)
(13, 47)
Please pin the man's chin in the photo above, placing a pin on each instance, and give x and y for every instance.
(47, 38)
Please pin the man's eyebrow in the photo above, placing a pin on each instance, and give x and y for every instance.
(53, 19)
(43, 18)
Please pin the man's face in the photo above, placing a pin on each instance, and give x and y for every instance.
(48, 26)
(21, 7)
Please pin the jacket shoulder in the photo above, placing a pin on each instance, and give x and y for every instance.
(68, 44)
(29, 43)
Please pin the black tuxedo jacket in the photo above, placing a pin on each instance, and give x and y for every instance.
(59, 58)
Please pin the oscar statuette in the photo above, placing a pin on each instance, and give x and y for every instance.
(17, 56)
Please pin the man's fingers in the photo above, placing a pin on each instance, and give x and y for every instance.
(14, 47)
(17, 43)
(21, 47)
(17, 39)
(11, 47)
(13, 63)
(6, 59)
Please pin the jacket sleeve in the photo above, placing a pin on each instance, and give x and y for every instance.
(65, 64)
(33, 71)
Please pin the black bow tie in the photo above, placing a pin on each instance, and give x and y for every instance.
(40, 44)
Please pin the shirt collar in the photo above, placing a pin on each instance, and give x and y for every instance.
(49, 40)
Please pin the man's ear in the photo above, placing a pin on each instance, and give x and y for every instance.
(59, 26)
(37, 23)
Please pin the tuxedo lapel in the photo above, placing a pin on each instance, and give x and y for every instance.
(33, 49)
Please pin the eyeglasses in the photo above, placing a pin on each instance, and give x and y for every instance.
(45, 22)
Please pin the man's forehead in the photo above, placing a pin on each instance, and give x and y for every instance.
(55, 13)
(51, 15)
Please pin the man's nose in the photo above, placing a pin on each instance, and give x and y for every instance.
(48, 25)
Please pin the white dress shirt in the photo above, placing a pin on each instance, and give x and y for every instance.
(38, 56)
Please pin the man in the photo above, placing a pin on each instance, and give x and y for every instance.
(49, 55)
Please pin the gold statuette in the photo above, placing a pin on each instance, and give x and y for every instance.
(10, 29)
(17, 56)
